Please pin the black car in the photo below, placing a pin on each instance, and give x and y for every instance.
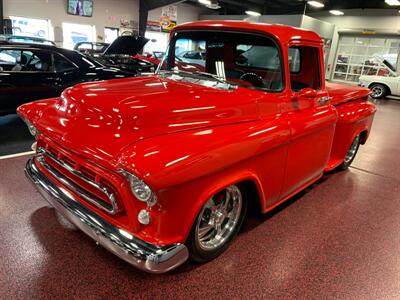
(30, 72)
(120, 54)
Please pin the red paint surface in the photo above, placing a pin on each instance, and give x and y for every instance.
(189, 141)
(339, 239)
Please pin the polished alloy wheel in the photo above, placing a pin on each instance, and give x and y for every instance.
(377, 91)
(219, 218)
(353, 150)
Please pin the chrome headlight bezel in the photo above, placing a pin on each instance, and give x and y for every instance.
(32, 129)
(140, 189)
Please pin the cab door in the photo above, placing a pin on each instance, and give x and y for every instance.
(311, 118)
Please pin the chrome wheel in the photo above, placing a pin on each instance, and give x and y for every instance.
(378, 91)
(352, 151)
(219, 218)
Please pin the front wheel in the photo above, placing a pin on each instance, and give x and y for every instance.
(378, 91)
(217, 224)
(351, 153)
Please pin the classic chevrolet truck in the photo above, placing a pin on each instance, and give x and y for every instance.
(162, 168)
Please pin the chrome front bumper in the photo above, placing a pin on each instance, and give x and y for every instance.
(147, 257)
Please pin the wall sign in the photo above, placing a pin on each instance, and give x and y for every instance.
(168, 19)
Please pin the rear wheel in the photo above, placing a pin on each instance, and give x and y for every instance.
(378, 90)
(217, 224)
(351, 153)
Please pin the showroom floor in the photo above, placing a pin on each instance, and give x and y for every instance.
(338, 239)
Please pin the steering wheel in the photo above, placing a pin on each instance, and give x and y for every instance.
(254, 79)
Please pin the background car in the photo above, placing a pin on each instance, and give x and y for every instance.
(122, 54)
(26, 39)
(29, 72)
(383, 81)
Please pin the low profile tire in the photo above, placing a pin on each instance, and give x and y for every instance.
(378, 91)
(217, 224)
(351, 153)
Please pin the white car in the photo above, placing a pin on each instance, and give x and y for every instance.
(385, 82)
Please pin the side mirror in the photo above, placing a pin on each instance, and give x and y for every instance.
(307, 93)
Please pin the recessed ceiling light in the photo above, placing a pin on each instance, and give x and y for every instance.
(392, 2)
(336, 12)
(316, 4)
(252, 13)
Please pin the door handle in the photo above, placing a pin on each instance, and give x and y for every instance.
(324, 100)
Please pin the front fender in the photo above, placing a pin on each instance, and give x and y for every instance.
(185, 169)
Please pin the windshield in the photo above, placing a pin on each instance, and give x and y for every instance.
(248, 60)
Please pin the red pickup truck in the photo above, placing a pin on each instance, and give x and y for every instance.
(161, 168)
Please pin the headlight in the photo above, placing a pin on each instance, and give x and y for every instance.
(32, 129)
(141, 190)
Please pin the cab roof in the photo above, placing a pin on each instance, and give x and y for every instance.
(283, 33)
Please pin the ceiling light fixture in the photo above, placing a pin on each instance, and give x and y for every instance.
(336, 12)
(211, 4)
(252, 13)
(316, 4)
(205, 2)
(392, 2)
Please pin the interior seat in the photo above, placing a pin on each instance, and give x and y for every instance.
(21, 62)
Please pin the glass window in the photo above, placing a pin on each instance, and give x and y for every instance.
(25, 61)
(236, 58)
(61, 64)
(365, 56)
(294, 60)
(307, 77)
(30, 27)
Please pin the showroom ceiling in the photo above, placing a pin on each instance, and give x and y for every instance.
(289, 6)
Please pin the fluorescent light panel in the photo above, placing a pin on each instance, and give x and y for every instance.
(392, 2)
(205, 2)
(316, 4)
(336, 12)
(253, 13)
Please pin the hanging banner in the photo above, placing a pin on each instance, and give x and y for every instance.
(169, 16)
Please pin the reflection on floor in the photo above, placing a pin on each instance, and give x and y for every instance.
(338, 239)
(14, 135)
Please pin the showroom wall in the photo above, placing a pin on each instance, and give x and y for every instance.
(106, 13)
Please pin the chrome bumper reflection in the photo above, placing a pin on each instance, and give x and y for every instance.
(147, 257)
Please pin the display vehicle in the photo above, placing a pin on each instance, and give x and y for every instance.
(121, 54)
(161, 168)
(384, 81)
(31, 71)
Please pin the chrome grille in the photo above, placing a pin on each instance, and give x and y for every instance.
(66, 165)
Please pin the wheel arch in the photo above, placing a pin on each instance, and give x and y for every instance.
(381, 83)
(249, 183)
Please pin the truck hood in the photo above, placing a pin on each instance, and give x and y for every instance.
(342, 93)
(100, 119)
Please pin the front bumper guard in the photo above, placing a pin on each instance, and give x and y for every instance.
(145, 256)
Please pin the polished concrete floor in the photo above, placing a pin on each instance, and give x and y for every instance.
(339, 239)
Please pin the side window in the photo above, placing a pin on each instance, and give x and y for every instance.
(264, 57)
(17, 60)
(61, 64)
(294, 60)
(304, 64)
(8, 59)
(36, 61)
